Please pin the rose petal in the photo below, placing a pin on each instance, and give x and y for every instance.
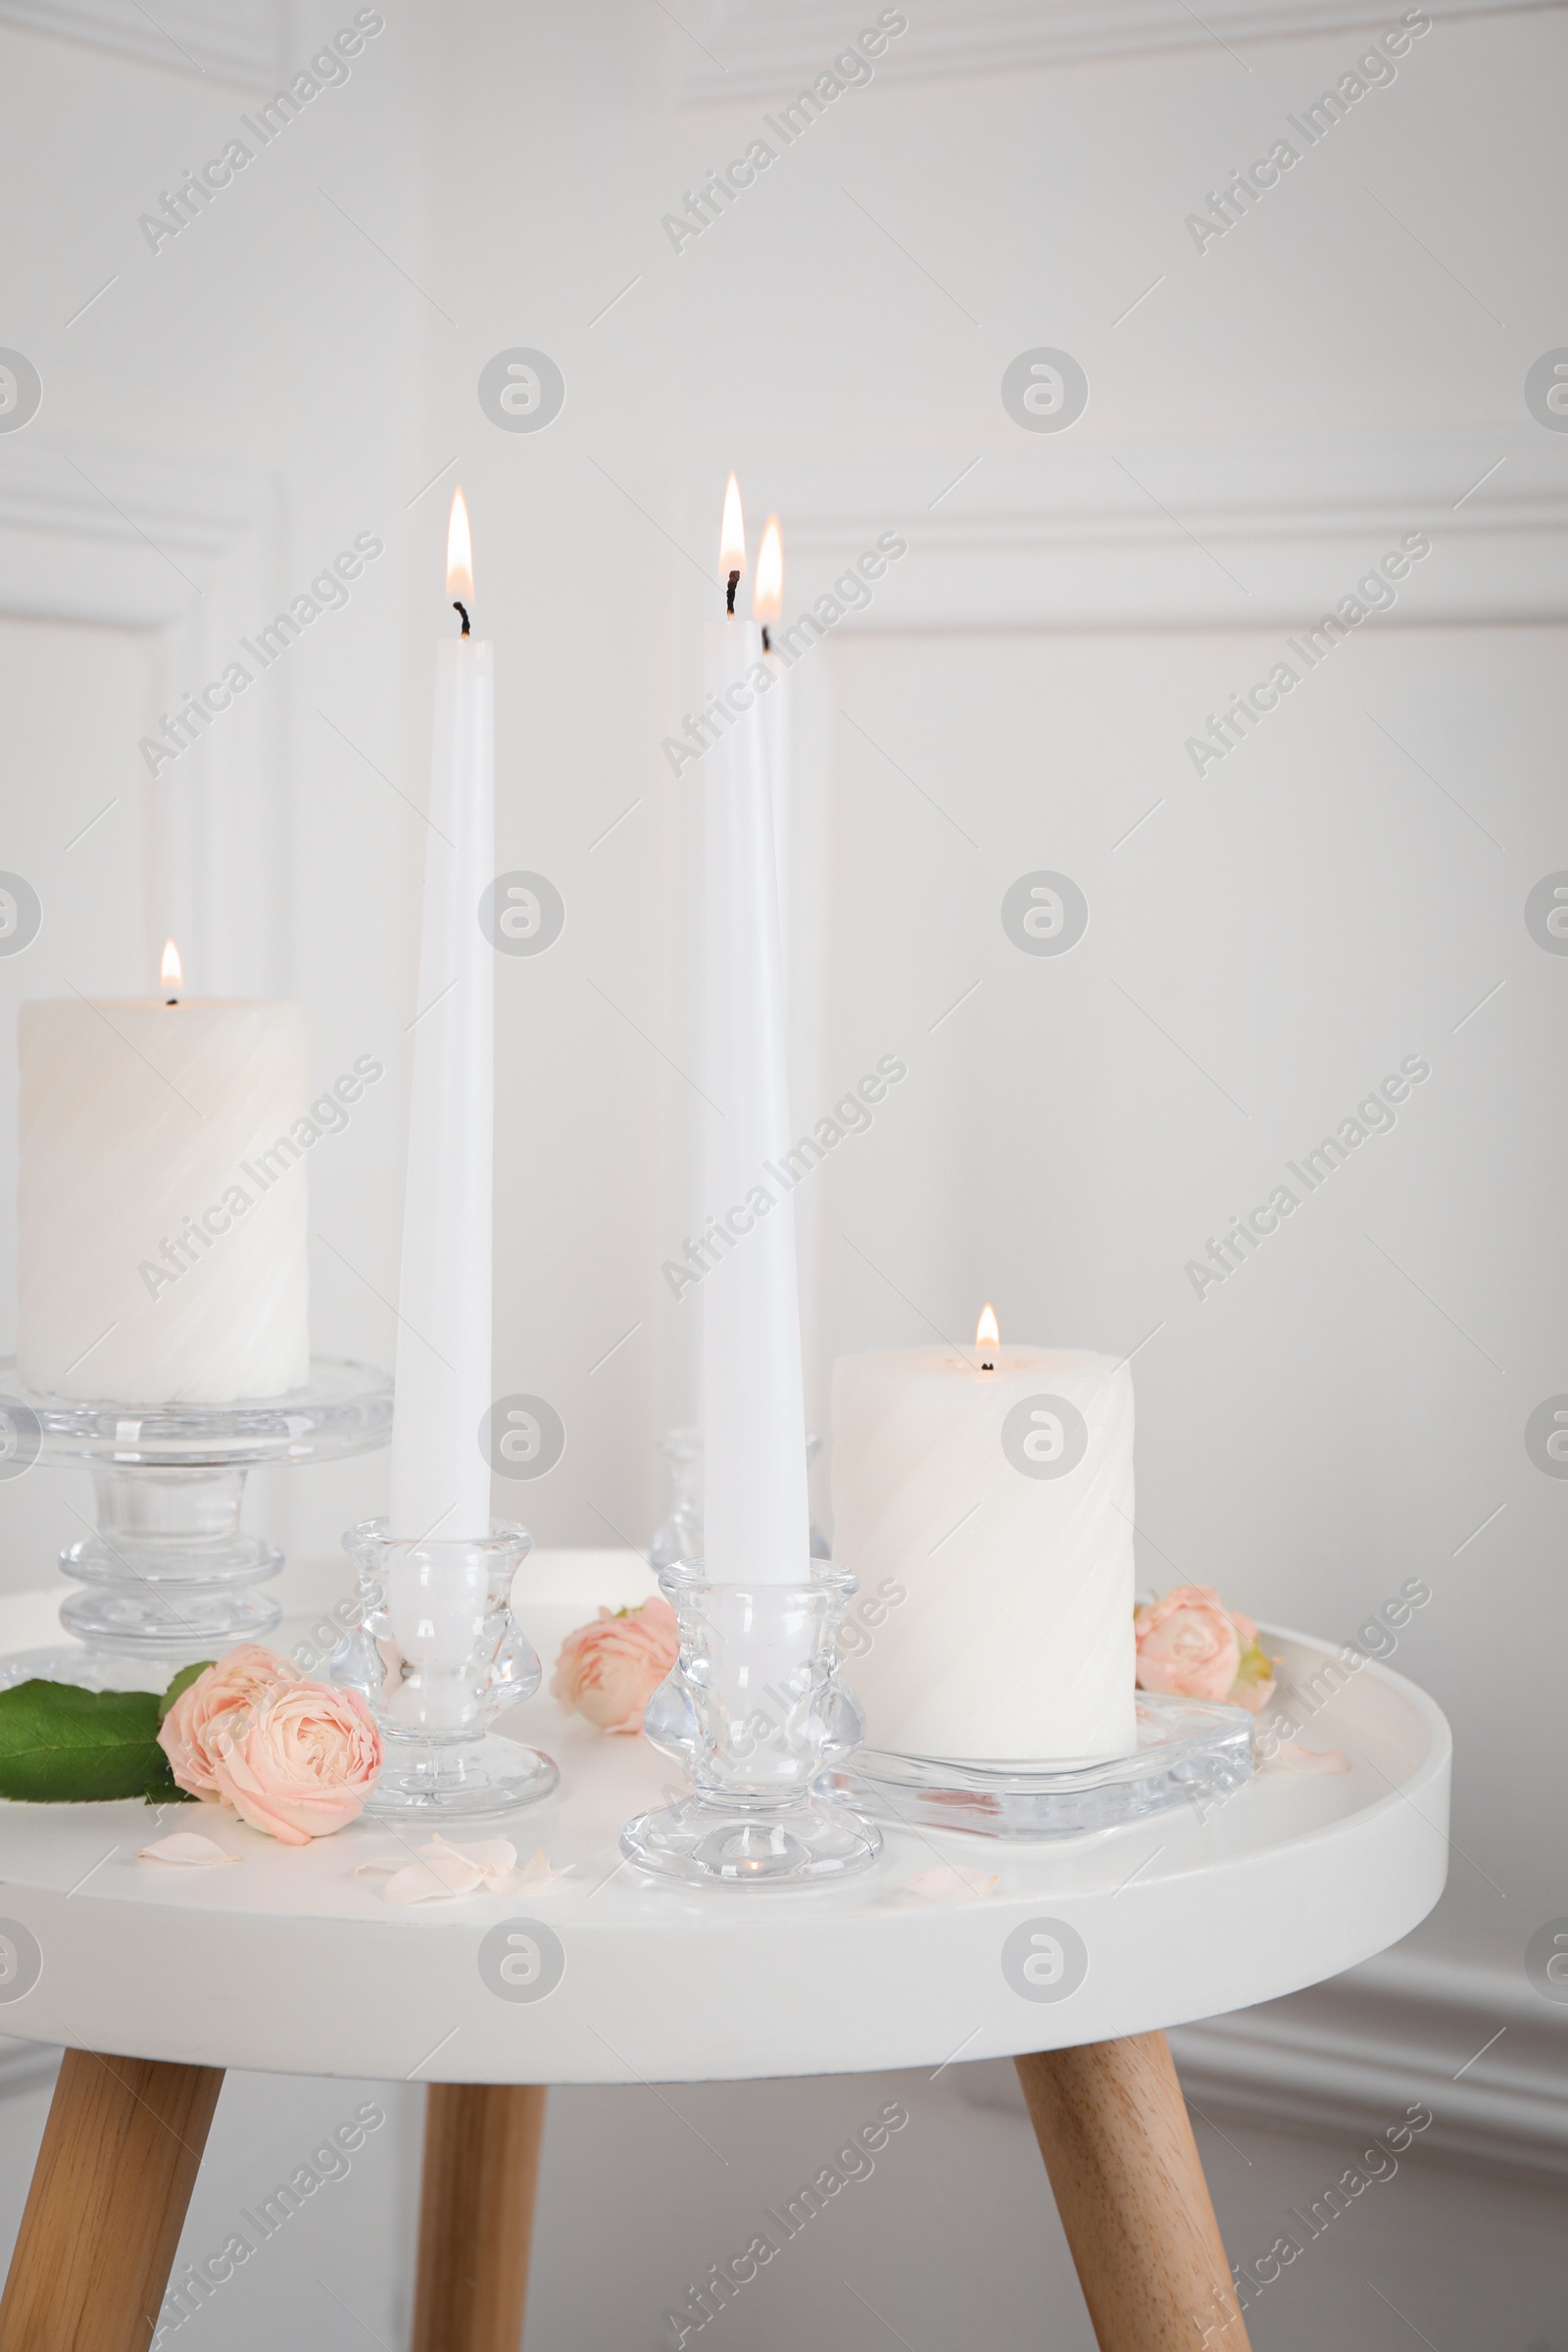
(1289, 1757)
(949, 1884)
(443, 1872)
(188, 1846)
(539, 1875)
(489, 1854)
(433, 1882)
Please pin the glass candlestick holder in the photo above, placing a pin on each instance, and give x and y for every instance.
(754, 1711)
(168, 1575)
(437, 1656)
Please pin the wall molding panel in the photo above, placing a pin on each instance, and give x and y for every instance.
(756, 46)
(1347, 2058)
(1180, 533)
(1076, 531)
(1084, 532)
(1349, 2055)
(144, 540)
(243, 40)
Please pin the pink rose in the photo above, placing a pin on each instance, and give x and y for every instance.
(206, 1710)
(301, 1762)
(1187, 1645)
(610, 1669)
(1192, 1646)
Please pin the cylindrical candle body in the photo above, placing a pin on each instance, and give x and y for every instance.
(440, 1478)
(997, 1507)
(781, 786)
(163, 1200)
(757, 1520)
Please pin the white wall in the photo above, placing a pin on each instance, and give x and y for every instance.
(1272, 415)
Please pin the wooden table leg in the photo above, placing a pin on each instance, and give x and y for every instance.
(482, 2169)
(120, 2156)
(1124, 2169)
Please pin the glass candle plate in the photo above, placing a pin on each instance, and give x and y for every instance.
(1188, 1752)
(168, 1575)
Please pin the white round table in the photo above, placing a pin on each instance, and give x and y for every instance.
(290, 1963)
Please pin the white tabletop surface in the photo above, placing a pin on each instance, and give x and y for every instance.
(289, 1963)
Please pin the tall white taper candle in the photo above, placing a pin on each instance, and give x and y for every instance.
(756, 1515)
(767, 606)
(440, 1478)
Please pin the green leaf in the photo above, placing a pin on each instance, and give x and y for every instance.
(181, 1681)
(60, 1744)
(1255, 1667)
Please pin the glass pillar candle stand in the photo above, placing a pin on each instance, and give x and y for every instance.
(168, 1575)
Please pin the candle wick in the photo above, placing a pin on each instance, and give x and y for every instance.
(729, 593)
(171, 1001)
(768, 642)
(463, 609)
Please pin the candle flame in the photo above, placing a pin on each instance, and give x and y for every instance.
(767, 588)
(460, 551)
(171, 973)
(732, 532)
(987, 1338)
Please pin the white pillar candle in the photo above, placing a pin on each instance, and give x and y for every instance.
(440, 1478)
(756, 1523)
(998, 1506)
(163, 1208)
